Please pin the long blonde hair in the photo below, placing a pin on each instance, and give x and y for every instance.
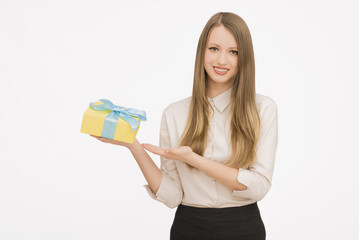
(245, 121)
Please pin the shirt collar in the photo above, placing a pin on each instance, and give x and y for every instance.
(222, 100)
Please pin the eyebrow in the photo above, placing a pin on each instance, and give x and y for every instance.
(219, 45)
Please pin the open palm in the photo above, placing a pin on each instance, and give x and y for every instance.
(182, 153)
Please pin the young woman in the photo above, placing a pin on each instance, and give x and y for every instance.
(218, 146)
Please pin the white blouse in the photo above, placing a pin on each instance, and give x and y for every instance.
(179, 185)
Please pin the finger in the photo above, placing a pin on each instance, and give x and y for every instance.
(154, 149)
(100, 138)
(150, 147)
(96, 137)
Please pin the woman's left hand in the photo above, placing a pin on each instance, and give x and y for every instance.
(182, 153)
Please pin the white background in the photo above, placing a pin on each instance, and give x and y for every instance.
(57, 56)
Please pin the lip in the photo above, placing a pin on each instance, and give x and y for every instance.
(220, 73)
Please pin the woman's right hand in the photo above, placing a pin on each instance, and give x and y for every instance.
(115, 142)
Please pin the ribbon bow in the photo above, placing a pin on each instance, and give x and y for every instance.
(111, 119)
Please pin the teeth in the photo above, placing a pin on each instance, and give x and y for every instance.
(221, 70)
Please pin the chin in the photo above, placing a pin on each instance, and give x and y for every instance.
(222, 80)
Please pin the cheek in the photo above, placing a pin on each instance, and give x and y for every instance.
(207, 67)
(209, 58)
(207, 62)
(234, 64)
(234, 61)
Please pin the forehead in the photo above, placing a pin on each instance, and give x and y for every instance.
(221, 36)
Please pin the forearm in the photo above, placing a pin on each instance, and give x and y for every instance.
(149, 169)
(220, 172)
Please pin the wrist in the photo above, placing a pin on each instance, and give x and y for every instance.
(133, 146)
(191, 157)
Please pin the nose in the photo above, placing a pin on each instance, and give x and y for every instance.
(222, 58)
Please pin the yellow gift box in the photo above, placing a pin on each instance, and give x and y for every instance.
(104, 119)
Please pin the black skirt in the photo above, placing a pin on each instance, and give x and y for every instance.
(231, 223)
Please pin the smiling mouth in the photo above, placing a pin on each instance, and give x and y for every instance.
(220, 71)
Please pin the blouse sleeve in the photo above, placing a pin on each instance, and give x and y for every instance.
(259, 176)
(170, 191)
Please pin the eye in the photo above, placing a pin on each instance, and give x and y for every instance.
(234, 52)
(213, 48)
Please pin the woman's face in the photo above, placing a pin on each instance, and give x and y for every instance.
(221, 58)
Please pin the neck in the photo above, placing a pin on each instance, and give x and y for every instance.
(214, 89)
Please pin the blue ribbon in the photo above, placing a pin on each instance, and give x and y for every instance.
(127, 114)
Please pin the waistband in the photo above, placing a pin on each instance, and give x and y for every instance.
(246, 209)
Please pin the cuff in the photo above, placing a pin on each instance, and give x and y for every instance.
(244, 177)
(163, 191)
(150, 192)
